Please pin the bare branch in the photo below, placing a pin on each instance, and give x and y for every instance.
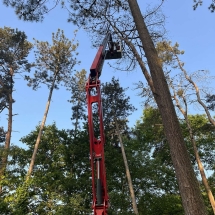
(189, 79)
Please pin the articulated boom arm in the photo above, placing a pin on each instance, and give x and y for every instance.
(114, 52)
(97, 159)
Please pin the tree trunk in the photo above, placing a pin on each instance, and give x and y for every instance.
(188, 185)
(9, 131)
(201, 168)
(30, 170)
(196, 153)
(133, 198)
(77, 119)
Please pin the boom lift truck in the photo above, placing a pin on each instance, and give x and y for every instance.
(107, 50)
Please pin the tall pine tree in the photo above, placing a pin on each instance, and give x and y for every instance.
(54, 65)
(14, 50)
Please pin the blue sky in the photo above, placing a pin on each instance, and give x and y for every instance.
(193, 30)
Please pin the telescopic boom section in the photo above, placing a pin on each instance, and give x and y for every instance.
(97, 159)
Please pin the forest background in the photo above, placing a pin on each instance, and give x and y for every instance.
(182, 24)
(191, 29)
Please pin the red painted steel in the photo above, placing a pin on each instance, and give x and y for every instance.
(97, 158)
(98, 62)
(97, 149)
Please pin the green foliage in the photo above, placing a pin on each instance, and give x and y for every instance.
(2, 135)
(4, 90)
(60, 179)
(98, 16)
(54, 62)
(59, 170)
(14, 49)
(118, 191)
(160, 184)
(149, 135)
(210, 99)
(167, 52)
(150, 129)
(61, 182)
(115, 102)
(204, 134)
(116, 106)
(29, 10)
(165, 204)
(78, 98)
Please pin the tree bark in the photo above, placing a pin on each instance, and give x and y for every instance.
(196, 153)
(9, 130)
(201, 168)
(133, 198)
(76, 119)
(33, 158)
(188, 185)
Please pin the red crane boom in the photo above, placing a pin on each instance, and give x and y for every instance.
(97, 158)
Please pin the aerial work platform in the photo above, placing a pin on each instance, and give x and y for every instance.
(97, 158)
